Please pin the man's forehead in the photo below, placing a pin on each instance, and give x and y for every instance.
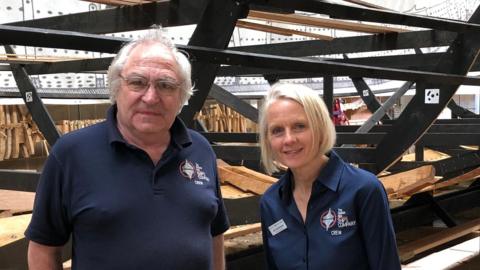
(151, 50)
(151, 55)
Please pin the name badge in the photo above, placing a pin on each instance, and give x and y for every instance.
(277, 227)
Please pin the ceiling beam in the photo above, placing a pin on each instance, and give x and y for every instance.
(323, 22)
(348, 12)
(279, 30)
(365, 43)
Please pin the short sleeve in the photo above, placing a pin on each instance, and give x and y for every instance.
(49, 224)
(220, 223)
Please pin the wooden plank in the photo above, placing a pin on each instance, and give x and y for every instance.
(260, 176)
(323, 22)
(408, 251)
(395, 182)
(413, 188)
(15, 132)
(3, 133)
(242, 182)
(16, 200)
(231, 192)
(456, 180)
(279, 30)
(8, 151)
(13, 228)
(242, 230)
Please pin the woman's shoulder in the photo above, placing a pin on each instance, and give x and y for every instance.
(360, 178)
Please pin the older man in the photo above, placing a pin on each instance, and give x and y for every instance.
(140, 190)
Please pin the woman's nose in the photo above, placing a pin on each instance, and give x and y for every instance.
(289, 137)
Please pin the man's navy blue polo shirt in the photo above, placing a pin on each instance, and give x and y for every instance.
(348, 223)
(123, 211)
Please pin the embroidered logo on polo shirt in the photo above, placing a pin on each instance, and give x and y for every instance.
(193, 171)
(336, 221)
(328, 219)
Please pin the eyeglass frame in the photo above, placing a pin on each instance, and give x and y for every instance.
(164, 91)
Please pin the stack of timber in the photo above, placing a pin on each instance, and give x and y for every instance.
(220, 118)
(66, 126)
(408, 182)
(237, 183)
(19, 135)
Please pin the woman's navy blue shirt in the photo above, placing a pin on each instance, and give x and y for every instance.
(348, 223)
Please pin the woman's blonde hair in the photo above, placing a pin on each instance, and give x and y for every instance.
(317, 115)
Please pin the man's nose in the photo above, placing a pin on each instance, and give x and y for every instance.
(151, 94)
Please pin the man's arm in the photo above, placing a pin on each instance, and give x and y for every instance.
(41, 257)
(218, 253)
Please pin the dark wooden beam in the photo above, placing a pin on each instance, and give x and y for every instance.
(214, 30)
(229, 57)
(365, 43)
(349, 154)
(232, 101)
(420, 114)
(27, 36)
(33, 102)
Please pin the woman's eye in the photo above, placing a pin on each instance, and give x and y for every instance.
(276, 131)
(300, 126)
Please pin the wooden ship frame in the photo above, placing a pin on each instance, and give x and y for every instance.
(373, 146)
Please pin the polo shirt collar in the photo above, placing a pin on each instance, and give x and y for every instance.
(329, 178)
(180, 137)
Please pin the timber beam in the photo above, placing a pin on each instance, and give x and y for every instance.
(349, 12)
(420, 113)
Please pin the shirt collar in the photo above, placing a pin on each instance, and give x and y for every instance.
(179, 132)
(329, 178)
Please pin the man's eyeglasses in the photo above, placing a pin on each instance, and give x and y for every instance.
(139, 84)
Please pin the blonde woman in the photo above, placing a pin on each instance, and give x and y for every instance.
(322, 213)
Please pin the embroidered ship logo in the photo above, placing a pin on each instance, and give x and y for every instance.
(187, 169)
(328, 219)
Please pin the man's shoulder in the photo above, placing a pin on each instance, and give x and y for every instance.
(85, 137)
(197, 138)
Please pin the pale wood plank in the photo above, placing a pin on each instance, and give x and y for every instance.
(323, 22)
(3, 133)
(243, 182)
(8, 151)
(13, 228)
(231, 192)
(260, 176)
(413, 188)
(15, 132)
(409, 250)
(395, 182)
(280, 30)
(242, 230)
(16, 200)
(456, 180)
